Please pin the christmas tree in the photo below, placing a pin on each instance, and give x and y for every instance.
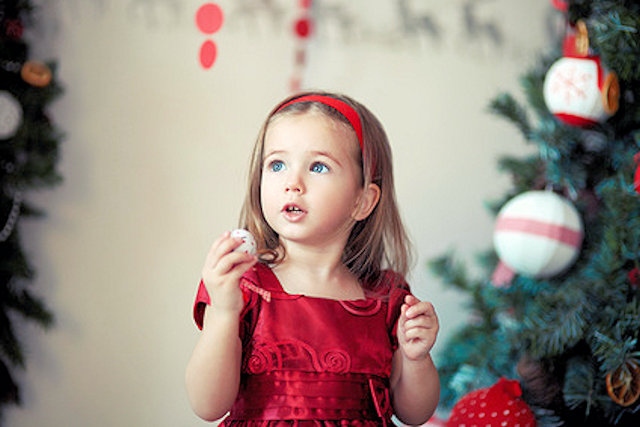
(28, 157)
(556, 301)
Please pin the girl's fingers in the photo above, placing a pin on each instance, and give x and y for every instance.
(418, 318)
(415, 333)
(419, 308)
(411, 300)
(419, 327)
(233, 260)
(222, 247)
(420, 322)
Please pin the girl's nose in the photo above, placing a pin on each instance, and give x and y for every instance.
(294, 184)
(294, 187)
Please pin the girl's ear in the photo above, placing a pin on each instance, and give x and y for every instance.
(367, 202)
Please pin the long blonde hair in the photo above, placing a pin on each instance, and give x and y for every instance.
(379, 241)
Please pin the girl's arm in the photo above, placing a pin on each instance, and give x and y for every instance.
(415, 383)
(213, 372)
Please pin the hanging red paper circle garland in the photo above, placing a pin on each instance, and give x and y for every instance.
(208, 54)
(302, 29)
(561, 5)
(209, 19)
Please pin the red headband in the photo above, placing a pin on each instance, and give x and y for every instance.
(345, 109)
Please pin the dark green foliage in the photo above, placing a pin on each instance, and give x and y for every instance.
(28, 160)
(581, 325)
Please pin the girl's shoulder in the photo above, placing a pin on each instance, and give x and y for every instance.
(388, 282)
(257, 283)
(391, 287)
(262, 276)
(260, 282)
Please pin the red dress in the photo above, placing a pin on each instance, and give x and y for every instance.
(313, 361)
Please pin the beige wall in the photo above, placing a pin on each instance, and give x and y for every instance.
(154, 163)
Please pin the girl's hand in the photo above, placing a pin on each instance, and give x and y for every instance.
(222, 271)
(417, 328)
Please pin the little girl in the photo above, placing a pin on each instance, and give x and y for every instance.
(320, 327)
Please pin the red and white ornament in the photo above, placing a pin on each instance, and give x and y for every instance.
(248, 244)
(580, 91)
(500, 405)
(538, 234)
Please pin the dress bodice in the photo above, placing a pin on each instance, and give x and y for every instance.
(313, 359)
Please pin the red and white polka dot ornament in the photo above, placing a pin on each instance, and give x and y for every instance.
(248, 244)
(538, 234)
(580, 91)
(500, 405)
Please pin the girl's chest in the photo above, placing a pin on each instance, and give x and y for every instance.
(321, 336)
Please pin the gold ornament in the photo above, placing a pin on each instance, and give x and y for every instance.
(582, 39)
(36, 73)
(623, 384)
(611, 93)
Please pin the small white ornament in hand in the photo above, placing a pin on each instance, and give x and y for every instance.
(248, 244)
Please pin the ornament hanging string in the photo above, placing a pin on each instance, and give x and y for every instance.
(12, 218)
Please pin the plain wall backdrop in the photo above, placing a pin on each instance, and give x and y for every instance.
(156, 152)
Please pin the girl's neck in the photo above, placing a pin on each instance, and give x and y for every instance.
(317, 276)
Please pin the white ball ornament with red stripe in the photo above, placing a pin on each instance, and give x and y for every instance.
(538, 234)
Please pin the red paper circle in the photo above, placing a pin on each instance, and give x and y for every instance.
(209, 18)
(305, 4)
(303, 27)
(561, 5)
(208, 53)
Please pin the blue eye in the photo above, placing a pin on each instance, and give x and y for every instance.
(276, 166)
(319, 168)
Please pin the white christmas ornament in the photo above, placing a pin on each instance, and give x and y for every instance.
(248, 244)
(580, 92)
(10, 115)
(538, 234)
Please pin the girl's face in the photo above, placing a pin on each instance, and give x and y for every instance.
(311, 187)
